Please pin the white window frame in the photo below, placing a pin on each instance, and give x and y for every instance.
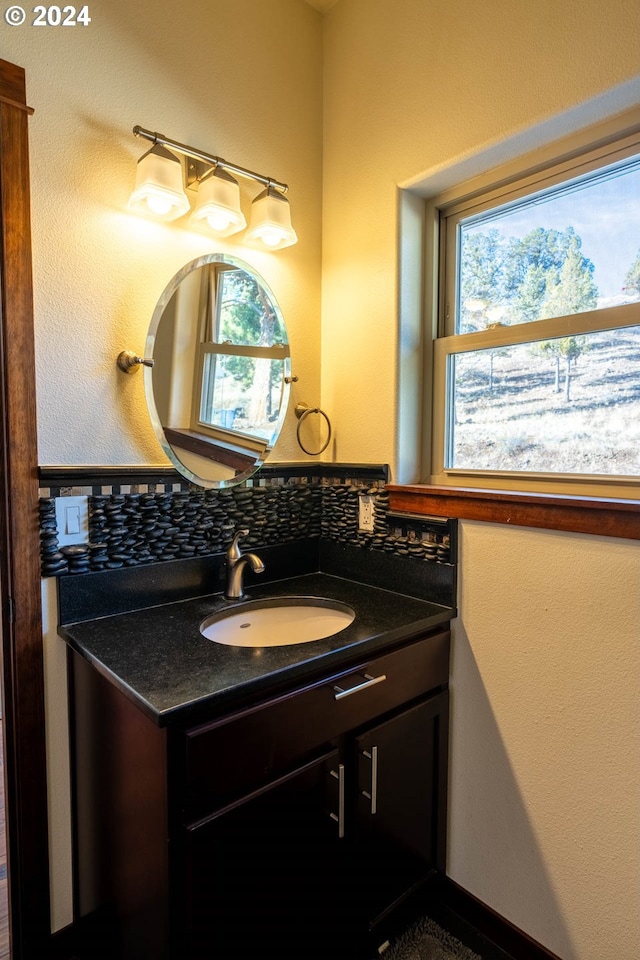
(442, 215)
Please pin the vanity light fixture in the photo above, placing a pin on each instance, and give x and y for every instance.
(271, 220)
(218, 203)
(159, 191)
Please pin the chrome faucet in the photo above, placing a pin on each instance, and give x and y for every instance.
(236, 562)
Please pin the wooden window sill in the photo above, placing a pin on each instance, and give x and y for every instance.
(211, 449)
(595, 515)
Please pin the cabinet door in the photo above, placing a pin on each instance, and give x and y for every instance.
(261, 875)
(400, 819)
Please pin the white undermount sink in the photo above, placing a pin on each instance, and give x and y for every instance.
(277, 622)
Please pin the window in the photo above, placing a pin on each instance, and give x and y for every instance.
(243, 358)
(537, 362)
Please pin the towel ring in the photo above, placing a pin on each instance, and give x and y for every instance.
(302, 411)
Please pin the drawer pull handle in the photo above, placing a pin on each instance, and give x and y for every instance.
(339, 816)
(373, 796)
(340, 694)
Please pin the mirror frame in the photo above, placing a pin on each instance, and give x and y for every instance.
(165, 298)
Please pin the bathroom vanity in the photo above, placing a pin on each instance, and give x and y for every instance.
(272, 801)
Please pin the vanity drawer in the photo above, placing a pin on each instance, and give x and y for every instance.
(237, 753)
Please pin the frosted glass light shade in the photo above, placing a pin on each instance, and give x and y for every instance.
(159, 191)
(271, 221)
(218, 204)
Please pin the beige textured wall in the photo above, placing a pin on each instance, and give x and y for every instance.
(242, 80)
(545, 782)
(545, 753)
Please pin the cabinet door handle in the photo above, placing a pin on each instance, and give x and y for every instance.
(339, 816)
(373, 796)
(340, 694)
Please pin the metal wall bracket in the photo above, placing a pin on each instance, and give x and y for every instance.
(129, 362)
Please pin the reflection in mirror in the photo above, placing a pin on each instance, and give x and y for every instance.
(218, 389)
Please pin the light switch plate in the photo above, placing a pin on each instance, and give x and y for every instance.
(72, 519)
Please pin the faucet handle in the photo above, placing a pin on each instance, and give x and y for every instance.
(233, 553)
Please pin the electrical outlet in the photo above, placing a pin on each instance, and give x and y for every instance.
(72, 519)
(365, 512)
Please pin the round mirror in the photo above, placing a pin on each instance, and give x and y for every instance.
(219, 385)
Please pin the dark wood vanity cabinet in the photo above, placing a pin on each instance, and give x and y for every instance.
(294, 825)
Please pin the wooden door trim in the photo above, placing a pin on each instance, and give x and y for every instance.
(23, 687)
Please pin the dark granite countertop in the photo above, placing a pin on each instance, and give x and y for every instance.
(158, 658)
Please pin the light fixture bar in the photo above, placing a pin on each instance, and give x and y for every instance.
(186, 151)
